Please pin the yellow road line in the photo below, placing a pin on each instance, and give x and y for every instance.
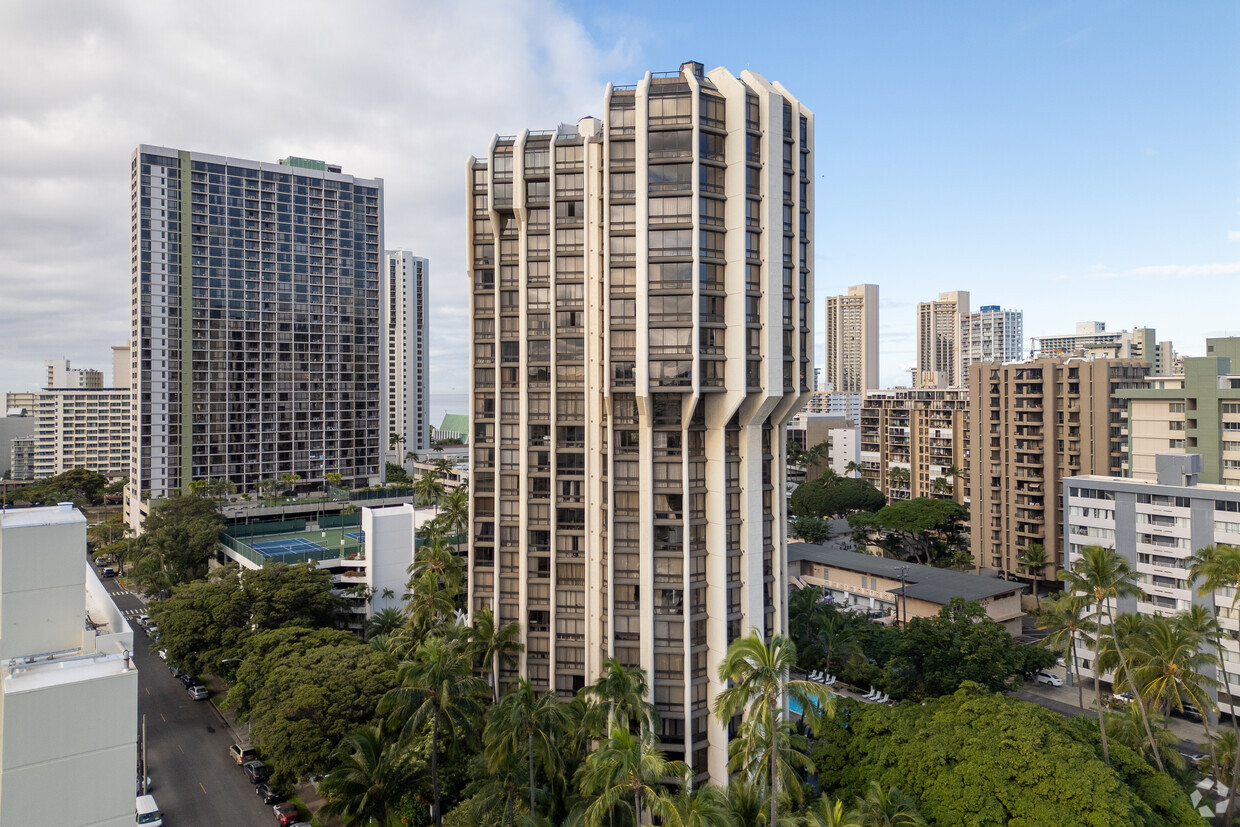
(204, 789)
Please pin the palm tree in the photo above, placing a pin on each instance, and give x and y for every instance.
(523, 720)
(828, 813)
(1101, 574)
(622, 691)
(1033, 561)
(456, 513)
(806, 612)
(813, 457)
(1127, 728)
(436, 687)
(757, 674)
(1067, 622)
(394, 441)
(853, 467)
(1169, 663)
(888, 808)
(627, 765)
(940, 485)
(751, 754)
(705, 806)
(898, 478)
(1116, 650)
(1218, 568)
(372, 776)
(1202, 622)
(492, 645)
(384, 622)
(411, 457)
(840, 642)
(429, 490)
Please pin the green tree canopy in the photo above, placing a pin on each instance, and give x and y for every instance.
(832, 496)
(79, 486)
(179, 537)
(976, 757)
(917, 524)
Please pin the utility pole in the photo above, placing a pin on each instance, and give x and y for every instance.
(903, 596)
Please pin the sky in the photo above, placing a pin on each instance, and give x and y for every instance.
(1074, 160)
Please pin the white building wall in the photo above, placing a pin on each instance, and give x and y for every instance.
(845, 448)
(390, 534)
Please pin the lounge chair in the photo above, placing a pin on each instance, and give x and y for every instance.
(871, 695)
(830, 681)
(814, 676)
(883, 699)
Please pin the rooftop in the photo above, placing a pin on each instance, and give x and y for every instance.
(62, 514)
(921, 582)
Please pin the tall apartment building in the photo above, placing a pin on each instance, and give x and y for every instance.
(1092, 340)
(122, 366)
(838, 404)
(1196, 412)
(939, 348)
(406, 301)
(83, 429)
(1156, 525)
(60, 375)
(851, 327)
(22, 451)
(641, 334)
(992, 334)
(1031, 424)
(920, 431)
(256, 322)
(69, 716)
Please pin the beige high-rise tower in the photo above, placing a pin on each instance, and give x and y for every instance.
(939, 348)
(641, 335)
(851, 327)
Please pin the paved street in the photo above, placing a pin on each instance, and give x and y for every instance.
(193, 778)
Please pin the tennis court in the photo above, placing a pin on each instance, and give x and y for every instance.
(299, 546)
(291, 545)
(360, 536)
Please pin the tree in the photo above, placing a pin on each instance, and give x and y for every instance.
(1066, 620)
(705, 806)
(756, 751)
(888, 808)
(831, 813)
(290, 481)
(384, 622)
(429, 490)
(898, 478)
(1101, 574)
(370, 778)
(455, 513)
(621, 691)
(853, 468)
(394, 442)
(492, 645)
(395, 475)
(1033, 561)
(810, 529)
(79, 486)
(628, 770)
(436, 688)
(180, 537)
(834, 497)
(757, 678)
(917, 523)
(525, 722)
(1128, 728)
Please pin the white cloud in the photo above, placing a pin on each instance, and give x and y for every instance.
(1233, 235)
(401, 91)
(1156, 271)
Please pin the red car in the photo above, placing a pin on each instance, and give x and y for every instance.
(286, 813)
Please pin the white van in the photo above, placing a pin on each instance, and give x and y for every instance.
(148, 812)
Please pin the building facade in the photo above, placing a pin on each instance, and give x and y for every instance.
(1196, 412)
(912, 442)
(406, 300)
(851, 328)
(939, 350)
(256, 322)
(1156, 525)
(836, 404)
(1031, 424)
(69, 709)
(641, 334)
(60, 375)
(22, 452)
(1092, 340)
(83, 429)
(992, 334)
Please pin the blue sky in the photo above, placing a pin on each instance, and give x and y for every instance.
(1076, 160)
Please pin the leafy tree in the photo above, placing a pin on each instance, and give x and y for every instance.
(917, 523)
(436, 688)
(303, 690)
(395, 474)
(80, 486)
(180, 534)
(757, 676)
(370, 778)
(834, 496)
(628, 770)
(810, 529)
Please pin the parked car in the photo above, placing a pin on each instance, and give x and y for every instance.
(1194, 760)
(256, 772)
(242, 755)
(148, 811)
(108, 571)
(286, 814)
(187, 680)
(143, 620)
(269, 794)
(1047, 679)
(1122, 697)
(198, 692)
(1188, 712)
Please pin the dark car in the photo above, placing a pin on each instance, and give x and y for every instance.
(1188, 712)
(187, 680)
(256, 771)
(108, 572)
(268, 794)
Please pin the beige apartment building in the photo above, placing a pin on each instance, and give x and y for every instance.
(920, 431)
(83, 428)
(641, 334)
(1031, 424)
(940, 349)
(851, 329)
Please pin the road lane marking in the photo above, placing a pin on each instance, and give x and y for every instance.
(162, 718)
(183, 752)
(148, 690)
(204, 789)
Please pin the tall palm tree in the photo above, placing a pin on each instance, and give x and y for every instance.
(1068, 623)
(492, 645)
(757, 676)
(622, 691)
(831, 813)
(429, 490)
(1100, 575)
(436, 688)
(853, 467)
(371, 777)
(806, 612)
(628, 770)
(898, 478)
(523, 720)
(840, 643)
(1127, 727)
(1033, 560)
(815, 456)
(1117, 649)
(456, 513)
(1218, 568)
(384, 622)
(888, 808)
(1201, 621)
(751, 755)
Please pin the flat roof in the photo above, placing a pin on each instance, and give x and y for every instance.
(921, 582)
(63, 514)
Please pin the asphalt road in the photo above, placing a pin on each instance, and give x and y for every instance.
(194, 780)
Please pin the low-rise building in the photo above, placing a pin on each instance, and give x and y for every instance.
(891, 589)
(68, 683)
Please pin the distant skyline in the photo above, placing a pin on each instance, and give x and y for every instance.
(1074, 160)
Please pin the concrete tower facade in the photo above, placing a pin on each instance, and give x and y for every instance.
(940, 361)
(406, 299)
(851, 327)
(641, 335)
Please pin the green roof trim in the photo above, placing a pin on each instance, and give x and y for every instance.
(304, 163)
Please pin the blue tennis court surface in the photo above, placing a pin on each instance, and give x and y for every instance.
(272, 548)
(356, 535)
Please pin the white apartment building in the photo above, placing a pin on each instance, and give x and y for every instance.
(1093, 341)
(851, 328)
(836, 404)
(940, 352)
(83, 429)
(69, 688)
(406, 327)
(641, 334)
(256, 323)
(1156, 526)
(992, 334)
(60, 375)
